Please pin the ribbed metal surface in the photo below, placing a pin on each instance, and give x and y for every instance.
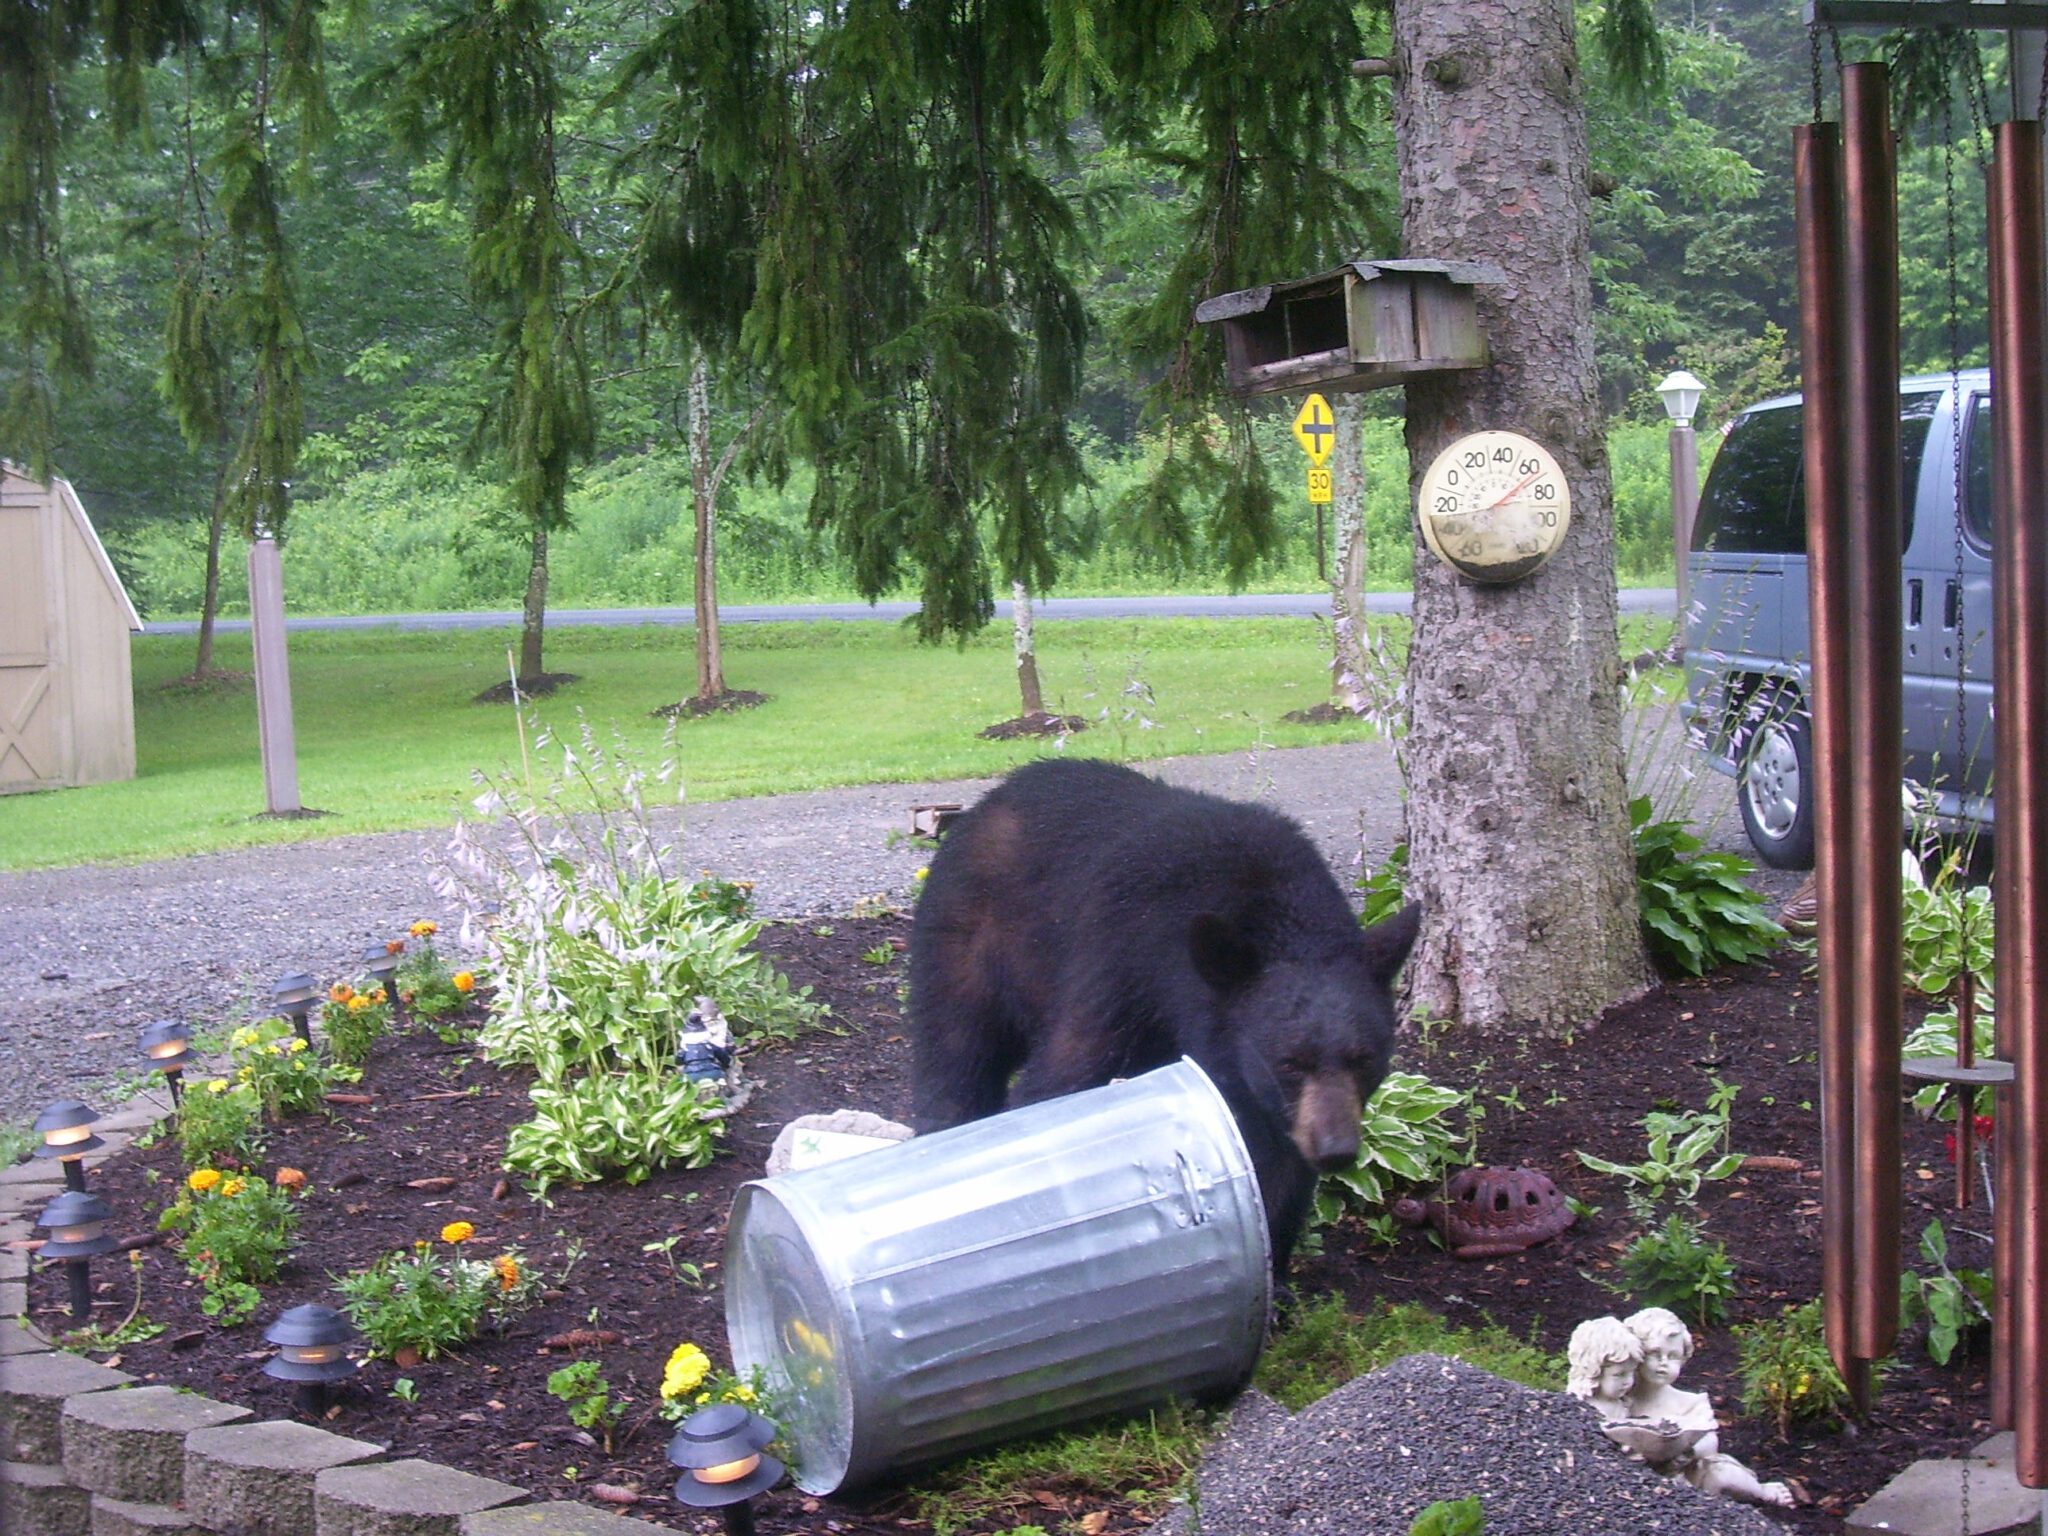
(1091, 1254)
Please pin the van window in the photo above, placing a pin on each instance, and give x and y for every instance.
(1755, 497)
(1977, 470)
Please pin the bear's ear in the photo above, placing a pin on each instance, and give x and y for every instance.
(1223, 957)
(1387, 944)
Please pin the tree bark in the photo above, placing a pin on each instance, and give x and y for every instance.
(704, 495)
(534, 615)
(1027, 649)
(1518, 824)
(1347, 584)
(209, 603)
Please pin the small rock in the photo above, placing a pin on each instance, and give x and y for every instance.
(612, 1493)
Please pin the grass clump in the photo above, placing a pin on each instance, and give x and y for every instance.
(1326, 1345)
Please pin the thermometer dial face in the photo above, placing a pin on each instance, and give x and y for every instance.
(1494, 506)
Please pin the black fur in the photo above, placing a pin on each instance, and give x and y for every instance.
(1084, 922)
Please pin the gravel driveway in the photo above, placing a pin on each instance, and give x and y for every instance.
(89, 955)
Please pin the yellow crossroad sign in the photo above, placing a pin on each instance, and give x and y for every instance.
(1315, 429)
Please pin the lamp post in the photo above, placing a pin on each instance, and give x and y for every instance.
(293, 996)
(77, 1224)
(1681, 396)
(380, 961)
(66, 1129)
(720, 1451)
(167, 1046)
(311, 1353)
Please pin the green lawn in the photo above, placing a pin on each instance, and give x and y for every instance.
(388, 735)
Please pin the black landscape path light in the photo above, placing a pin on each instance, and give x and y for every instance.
(381, 962)
(293, 996)
(311, 1351)
(66, 1129)
(167, 1046)
(77, 1224)
(720, 1451)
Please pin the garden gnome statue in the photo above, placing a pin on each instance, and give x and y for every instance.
(1628, 1372)
(706, 1050)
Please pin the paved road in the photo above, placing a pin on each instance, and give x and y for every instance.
(1660, 600)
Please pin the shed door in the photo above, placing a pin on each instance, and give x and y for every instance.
(29, 737)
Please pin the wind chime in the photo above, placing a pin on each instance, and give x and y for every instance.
(1845, 185)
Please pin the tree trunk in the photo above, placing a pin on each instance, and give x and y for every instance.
(1347, 586)
(704, 495)
(1518, 824)
(209, 604)
(1027, 649)
(534, 616)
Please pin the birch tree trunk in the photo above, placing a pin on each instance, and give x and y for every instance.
(1517, 815)
(704, 496)
(1027, 650)
(1347, 579)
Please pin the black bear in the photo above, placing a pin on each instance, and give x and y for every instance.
(1083, 922)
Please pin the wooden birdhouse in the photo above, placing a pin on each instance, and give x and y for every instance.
(1367, 325)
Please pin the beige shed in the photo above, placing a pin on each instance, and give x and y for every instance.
(67, 709)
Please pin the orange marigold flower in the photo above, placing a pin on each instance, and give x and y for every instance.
(457, 1232)
(290, 1178)
(425, 928)
(376, 996)
(341, 991)
(506, 1268)
(395, 947)
(463, 981)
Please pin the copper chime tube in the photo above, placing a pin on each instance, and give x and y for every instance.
(2020, 699)
(1874, 536)
(1817, 184)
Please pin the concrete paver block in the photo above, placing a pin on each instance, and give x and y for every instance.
(126, 1122)
(13, 1264)
(33, 1388)
(131, 1445)
(18, 1336)
(35, 1498)
(560, 1518)
(23, 1203)
(43, 1170)
(402, 1498)
(119, 1517)
(13, 1299)
(257, 1479)
(1927, 1500)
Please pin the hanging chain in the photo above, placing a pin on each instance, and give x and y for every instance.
(1813, 57)
(1955, 385)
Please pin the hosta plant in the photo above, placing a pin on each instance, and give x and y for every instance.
(1412, 1132)
(1698, 909)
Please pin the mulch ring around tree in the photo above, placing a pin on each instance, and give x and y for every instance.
(698, 706)
(644, 1263)
(538, 686)
(1027, 726)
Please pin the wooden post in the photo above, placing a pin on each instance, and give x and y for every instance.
(273, 679)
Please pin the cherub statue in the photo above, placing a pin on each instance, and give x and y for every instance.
(1602, 1358)
(1658, 1404)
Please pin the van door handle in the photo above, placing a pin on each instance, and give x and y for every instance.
(1952, 606)
(1916, 589)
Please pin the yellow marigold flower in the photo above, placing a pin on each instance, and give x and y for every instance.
(506, 1268)
(244, 1036)
(922, 871)
(294, 1046)
(273, 1049)
(457, 1232)
(424, 928)
(341, 991)
(742, 1393)
(232, 1188)
(200, 1180)
(360, 1004)
(376, 996)
(217, 1085)
(463, 981)
(290, 1178)
(685, 1372)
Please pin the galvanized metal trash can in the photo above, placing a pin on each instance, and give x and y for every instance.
(1091, 1254)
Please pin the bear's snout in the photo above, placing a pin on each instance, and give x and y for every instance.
(1326, 1121)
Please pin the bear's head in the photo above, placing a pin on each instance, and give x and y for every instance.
(1316, 1012)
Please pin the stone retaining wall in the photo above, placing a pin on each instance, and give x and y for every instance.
(89, 1451)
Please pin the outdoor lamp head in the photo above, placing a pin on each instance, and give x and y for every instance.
(294, 993)
(720, 1451)
(312, 1343)
(66, 1129)
(166, 1045)
(77, 1224)
(1681, 395)
(381, 962)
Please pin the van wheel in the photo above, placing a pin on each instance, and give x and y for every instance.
(1775, 790)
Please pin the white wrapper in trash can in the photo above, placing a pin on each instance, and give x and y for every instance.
(1091, 1254)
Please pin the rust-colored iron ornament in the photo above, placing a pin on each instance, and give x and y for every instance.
(1489, 1212)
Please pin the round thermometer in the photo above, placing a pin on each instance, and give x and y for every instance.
(1494, 506)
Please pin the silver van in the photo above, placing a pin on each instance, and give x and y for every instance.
(1746, 648)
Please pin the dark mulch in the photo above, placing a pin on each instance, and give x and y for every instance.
(1024, 727)
(1325, 713)
(540, 685)
(700, 706)
(436, 1112)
